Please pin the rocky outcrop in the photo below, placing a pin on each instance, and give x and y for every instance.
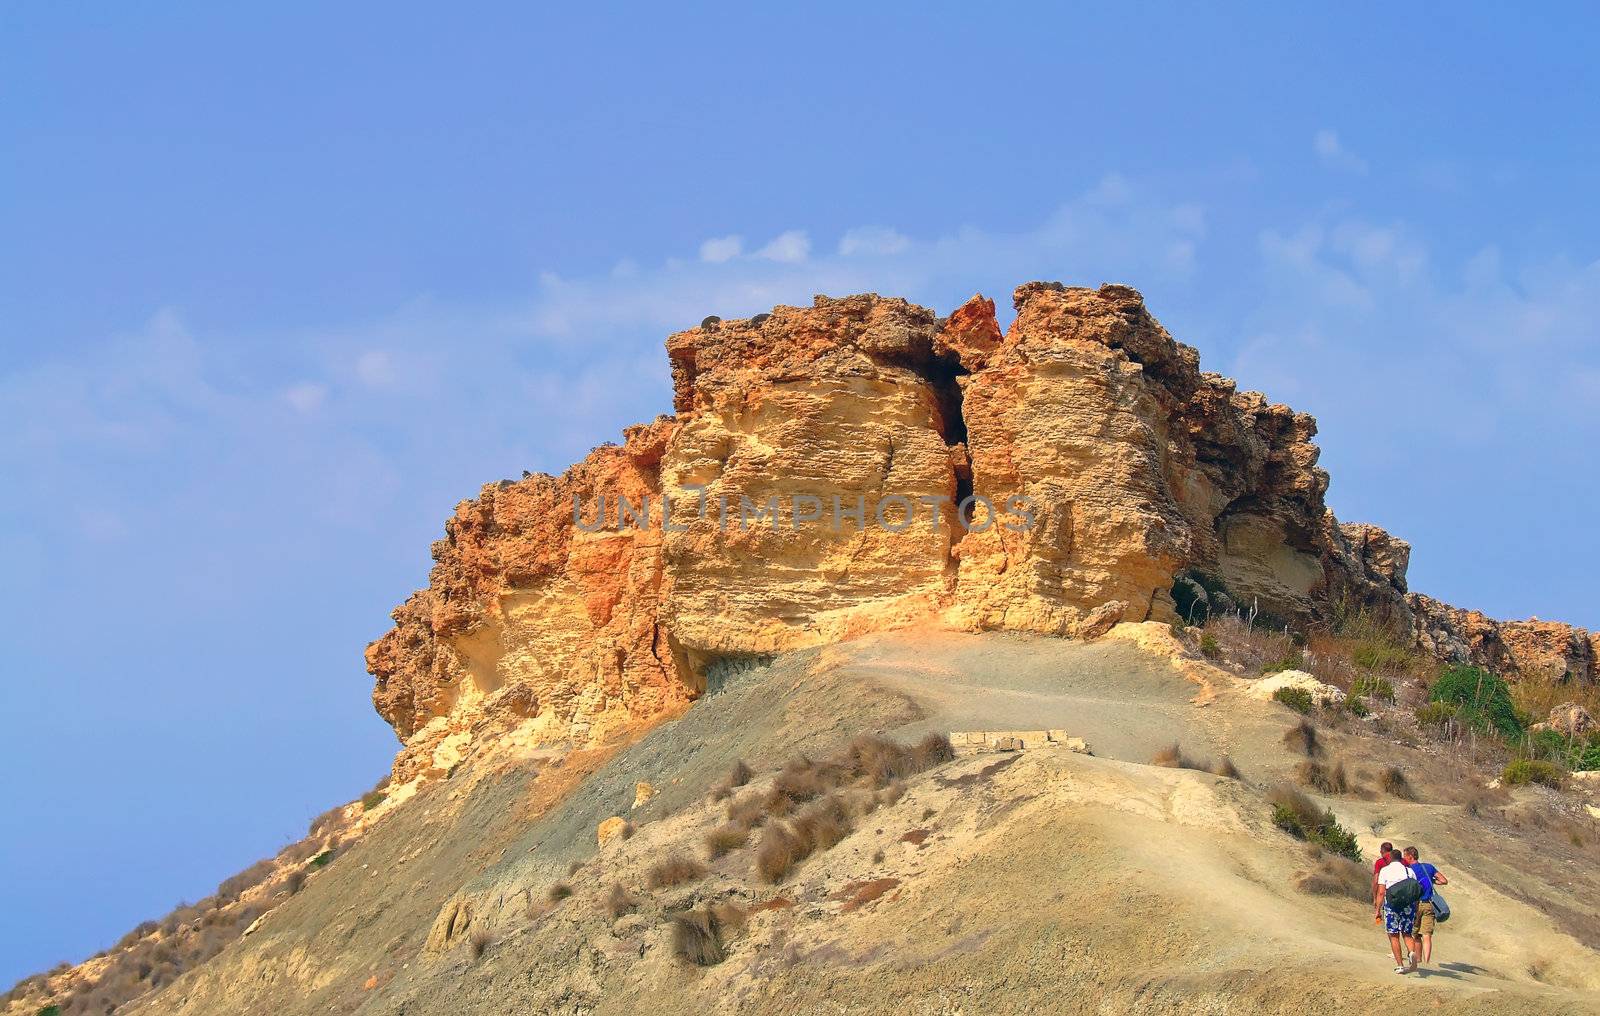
(862, 464)
(1547, 650)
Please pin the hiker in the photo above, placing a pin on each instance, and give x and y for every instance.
(1378, 865)
(1427, 876)
(1398, 913)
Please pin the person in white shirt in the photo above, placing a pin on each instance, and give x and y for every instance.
(1399, 924)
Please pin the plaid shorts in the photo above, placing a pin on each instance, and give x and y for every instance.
(1399, 922)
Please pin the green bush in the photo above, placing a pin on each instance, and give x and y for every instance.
(1210, 648)
(322, 859)
(1355, 707)
(1482, 700)
(1297, 699)
(1574, 753)
(1380, 656)
(1288, 661)
(1298, 816)
(50, 1010)
(1372, 686)
(1531, 770)
(1436, 714)
(372, 798)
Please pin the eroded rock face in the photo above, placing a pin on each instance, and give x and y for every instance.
(1113, 464)
(1546, 650)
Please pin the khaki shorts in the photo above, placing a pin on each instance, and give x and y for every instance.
(1425, 918)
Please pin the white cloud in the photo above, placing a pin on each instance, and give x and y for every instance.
(306, 396)
(375, 368)
(1334, 155)
(877, 240)
(788, 248)
(721, 248)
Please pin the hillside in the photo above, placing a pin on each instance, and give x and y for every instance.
(1094, 555)
(1042, 880)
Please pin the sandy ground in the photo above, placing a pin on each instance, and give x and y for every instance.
(1040, 881)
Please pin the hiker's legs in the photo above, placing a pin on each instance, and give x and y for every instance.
(1394, 947)
(1427, 948)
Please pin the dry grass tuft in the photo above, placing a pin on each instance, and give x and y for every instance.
(1482, 802)
(674, 870)
(479, 941)
(933, 750)
(620, 901)
(892, 793)
(1336, 876)
(558, 892)
(1171, 757)
(694, 938)
(748, 811)
(776, 853)
(740, 775)
(1323, 779)
(1302, 737)
(1394, 782)
(726, 837)
(699, 936)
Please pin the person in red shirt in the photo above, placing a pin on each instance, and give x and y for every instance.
(1377, 866)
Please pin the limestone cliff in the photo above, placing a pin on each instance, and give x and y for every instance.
(861, 465)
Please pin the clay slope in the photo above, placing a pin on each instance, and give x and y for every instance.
(555, 616)
(1044, 880)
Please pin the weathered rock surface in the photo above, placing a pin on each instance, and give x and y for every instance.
(1547, 650)
(860, 465)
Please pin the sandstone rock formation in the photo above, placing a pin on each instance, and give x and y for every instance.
(1547, 650)
(861, 464)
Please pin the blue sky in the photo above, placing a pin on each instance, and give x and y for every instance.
(279, 287)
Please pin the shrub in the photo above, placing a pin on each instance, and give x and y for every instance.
(234, 885)
(1302, 737)
(1381, 656)
(1171, 757)
(1481, 700)
(479, 941)
(49, 1010)
(1355, 707)
(740, 775)
(558, 892)
(726, 837)
(1210, 648)
(1481, 801)
(372, 798)
(1297, 815)
(674, 870)
(1439, 715)
(747, 811)
(295, 882)
(322, 859)
(1523, 771)
(1288, 661)
(775, 854)
(695, 937)
(1337, 876)
(620, 901)
(1575, 754)
(933, 750)
(1324, 779)
(1297, 699)
(1394, 782)
(1372, 686)
(1225, 768)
